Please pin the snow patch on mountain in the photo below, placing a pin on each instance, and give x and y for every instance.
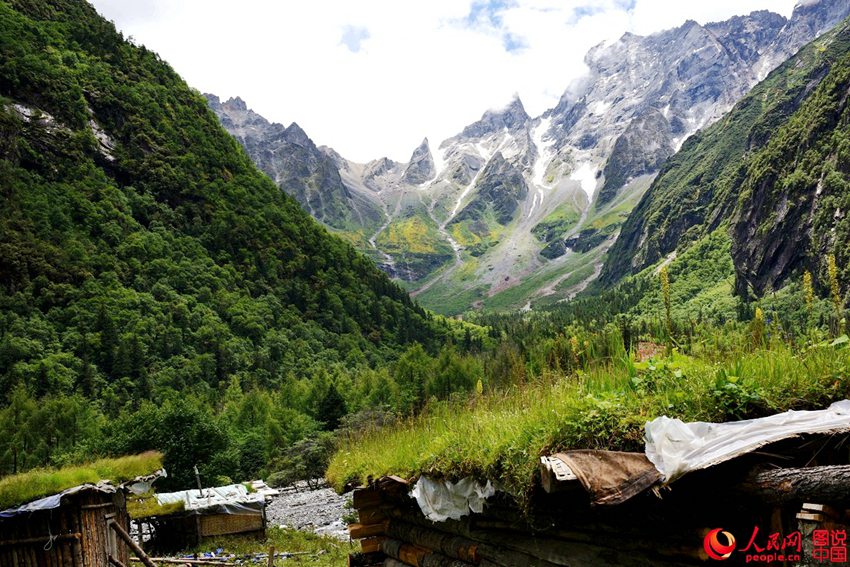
(585, 174)
(544, 151)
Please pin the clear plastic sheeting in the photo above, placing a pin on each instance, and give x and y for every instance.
(230, 499)
(677, 448)
(441, 500)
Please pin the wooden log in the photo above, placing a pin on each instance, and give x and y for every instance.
(366, 498)
(492, 554)
(819, 484)
(522, 548)
(371, 544)
(42, 540)
(131, 543)
(371, 515)
(172, 561)
(360, 531)
(77, 548)
(455, 547)
(390, 562)
(418, 556)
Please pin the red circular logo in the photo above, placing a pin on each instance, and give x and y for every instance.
(717, 550)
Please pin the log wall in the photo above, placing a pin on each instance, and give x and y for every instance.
(560, 531)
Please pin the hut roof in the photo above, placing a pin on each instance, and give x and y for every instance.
(55, 500)
(43, 487)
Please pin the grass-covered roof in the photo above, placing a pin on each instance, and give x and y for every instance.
(32, 485)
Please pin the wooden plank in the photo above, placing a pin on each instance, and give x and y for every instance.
(825, 509)
(418, 556)
(555, 475)
(808, 517)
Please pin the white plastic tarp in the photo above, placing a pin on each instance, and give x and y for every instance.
(231, 499)
(677, 448)
(440, 500)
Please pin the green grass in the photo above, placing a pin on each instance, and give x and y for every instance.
(558, 222)
(501, 435)
(31, 485)
(413, 235)
(311, 549)
(515, 297)
(146, 505)
(452, 298)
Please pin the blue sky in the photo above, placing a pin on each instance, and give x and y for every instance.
(372, 78)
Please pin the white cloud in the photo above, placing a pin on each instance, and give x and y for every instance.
(371, 77)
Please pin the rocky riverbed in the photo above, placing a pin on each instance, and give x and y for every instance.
(317, 510)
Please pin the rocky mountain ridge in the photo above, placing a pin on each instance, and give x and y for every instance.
(460, 231)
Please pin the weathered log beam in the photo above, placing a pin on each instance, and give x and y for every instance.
(366, 498)
(40, 540)
(511, 548)
(360, 531)
(131, 543)
(418, 556)
(371, 544)
(810, 484)
(452, 546)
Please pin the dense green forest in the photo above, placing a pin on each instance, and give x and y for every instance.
(158, 291)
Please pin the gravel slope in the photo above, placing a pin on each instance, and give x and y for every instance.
(316, 510)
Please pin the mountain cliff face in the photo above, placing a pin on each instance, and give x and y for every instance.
(461, 239)
(500, 189)
(291, 159)
(672, 84)
(773, 173)
(421, 166)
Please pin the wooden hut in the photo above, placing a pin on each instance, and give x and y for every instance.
(782, 498)
(202, 514)
(75, 528)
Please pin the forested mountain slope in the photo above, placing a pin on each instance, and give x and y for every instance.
(141, 250)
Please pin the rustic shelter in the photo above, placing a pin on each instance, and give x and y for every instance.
(778, 484)
(78, 527)
(200, 514)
